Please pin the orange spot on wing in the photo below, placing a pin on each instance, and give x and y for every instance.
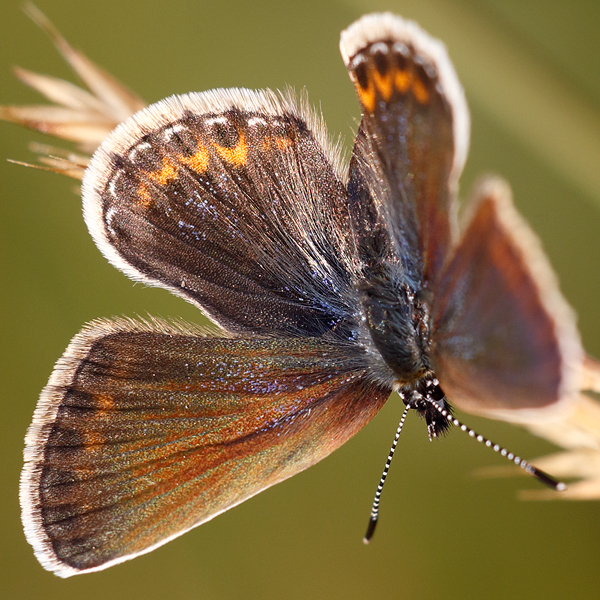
(105, 402)
(144, 195)
(283, 142)
(383, 84)
(167, 173)
(197, 162)
(420, 92)
(402, 81)
(236, 156)
(366, 96)
(93, 438)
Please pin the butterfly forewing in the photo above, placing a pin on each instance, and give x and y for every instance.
(231, 200)
(411, 144)
(505, 340)
(144, 432)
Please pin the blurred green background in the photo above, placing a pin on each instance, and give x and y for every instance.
(531, 73)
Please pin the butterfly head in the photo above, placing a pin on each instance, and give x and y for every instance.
(428, 399)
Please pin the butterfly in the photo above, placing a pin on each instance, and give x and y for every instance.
(333, 285)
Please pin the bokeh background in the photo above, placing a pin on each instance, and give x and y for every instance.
(531, 73)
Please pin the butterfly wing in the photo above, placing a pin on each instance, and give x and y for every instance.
(145, 431)
(505, 340)
(233, 200)
(500, 338)
(411, 145)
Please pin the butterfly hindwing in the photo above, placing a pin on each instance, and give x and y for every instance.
(505, 340)
(145, 431)
(233, 200)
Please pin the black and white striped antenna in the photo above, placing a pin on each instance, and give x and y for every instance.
(542, 476)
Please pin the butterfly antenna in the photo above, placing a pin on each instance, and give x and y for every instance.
(375, 507)
(540, 475)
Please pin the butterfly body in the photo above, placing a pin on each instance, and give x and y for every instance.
(398, 323)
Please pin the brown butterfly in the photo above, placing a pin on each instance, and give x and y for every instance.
(333, 286)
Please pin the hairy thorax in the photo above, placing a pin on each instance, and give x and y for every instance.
(397, 319)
